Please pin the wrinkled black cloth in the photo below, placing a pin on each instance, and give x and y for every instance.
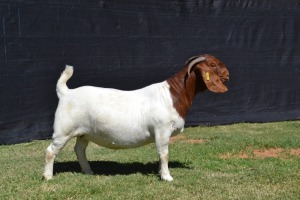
(129, 44)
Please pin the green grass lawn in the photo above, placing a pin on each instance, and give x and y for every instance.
(240, 161)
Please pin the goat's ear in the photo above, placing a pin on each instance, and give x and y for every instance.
(211, 80)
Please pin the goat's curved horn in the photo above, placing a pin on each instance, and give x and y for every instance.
(194, 60)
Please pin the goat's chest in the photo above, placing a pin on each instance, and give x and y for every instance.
(177, 126)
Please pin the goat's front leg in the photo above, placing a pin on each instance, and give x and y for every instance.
(162, 143)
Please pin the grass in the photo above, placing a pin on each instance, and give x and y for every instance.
(205, 162)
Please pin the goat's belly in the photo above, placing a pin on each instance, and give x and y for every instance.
(115, 140)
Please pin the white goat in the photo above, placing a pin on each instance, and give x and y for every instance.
(124, 119)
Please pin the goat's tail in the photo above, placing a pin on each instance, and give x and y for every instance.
(61, 86)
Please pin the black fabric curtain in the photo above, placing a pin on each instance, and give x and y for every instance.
(128, 44)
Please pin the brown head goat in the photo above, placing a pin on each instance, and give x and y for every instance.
(125, 119)
(200, 73)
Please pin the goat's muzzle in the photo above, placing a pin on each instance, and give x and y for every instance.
(224, 76)
(225, 79)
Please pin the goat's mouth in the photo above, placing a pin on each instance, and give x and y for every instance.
(225, 78)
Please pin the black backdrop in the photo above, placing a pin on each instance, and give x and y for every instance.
(128, 44)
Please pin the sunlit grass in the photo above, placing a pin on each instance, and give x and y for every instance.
(196, 164)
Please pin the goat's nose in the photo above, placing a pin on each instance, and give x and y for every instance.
(225, 78)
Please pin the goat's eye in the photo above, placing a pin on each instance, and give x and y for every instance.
(216, 68)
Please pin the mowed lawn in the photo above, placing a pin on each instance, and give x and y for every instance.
(240, 161)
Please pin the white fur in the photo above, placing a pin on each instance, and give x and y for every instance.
(114, 119)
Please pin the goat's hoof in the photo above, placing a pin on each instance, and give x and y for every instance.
(167, 178)
(47, 177)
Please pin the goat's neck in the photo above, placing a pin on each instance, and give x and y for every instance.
(183, 89)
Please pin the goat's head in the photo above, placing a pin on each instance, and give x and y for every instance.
(213, 72)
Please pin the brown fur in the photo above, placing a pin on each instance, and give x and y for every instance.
(209, 74)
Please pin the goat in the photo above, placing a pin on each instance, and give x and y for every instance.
(125, 119)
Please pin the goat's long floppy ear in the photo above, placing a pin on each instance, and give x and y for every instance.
(211, 80)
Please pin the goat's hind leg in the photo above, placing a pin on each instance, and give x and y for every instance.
(80, 148)
(52, 150)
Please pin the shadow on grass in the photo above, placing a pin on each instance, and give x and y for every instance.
(110, 168)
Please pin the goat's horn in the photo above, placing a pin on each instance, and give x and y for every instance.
(194, 60)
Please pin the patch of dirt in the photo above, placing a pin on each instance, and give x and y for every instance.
(268, 153)
(264, 153)
(243, 155)
(240, 155)
(194, 141)
(177, 138)
(182, 138)
(295, 152)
